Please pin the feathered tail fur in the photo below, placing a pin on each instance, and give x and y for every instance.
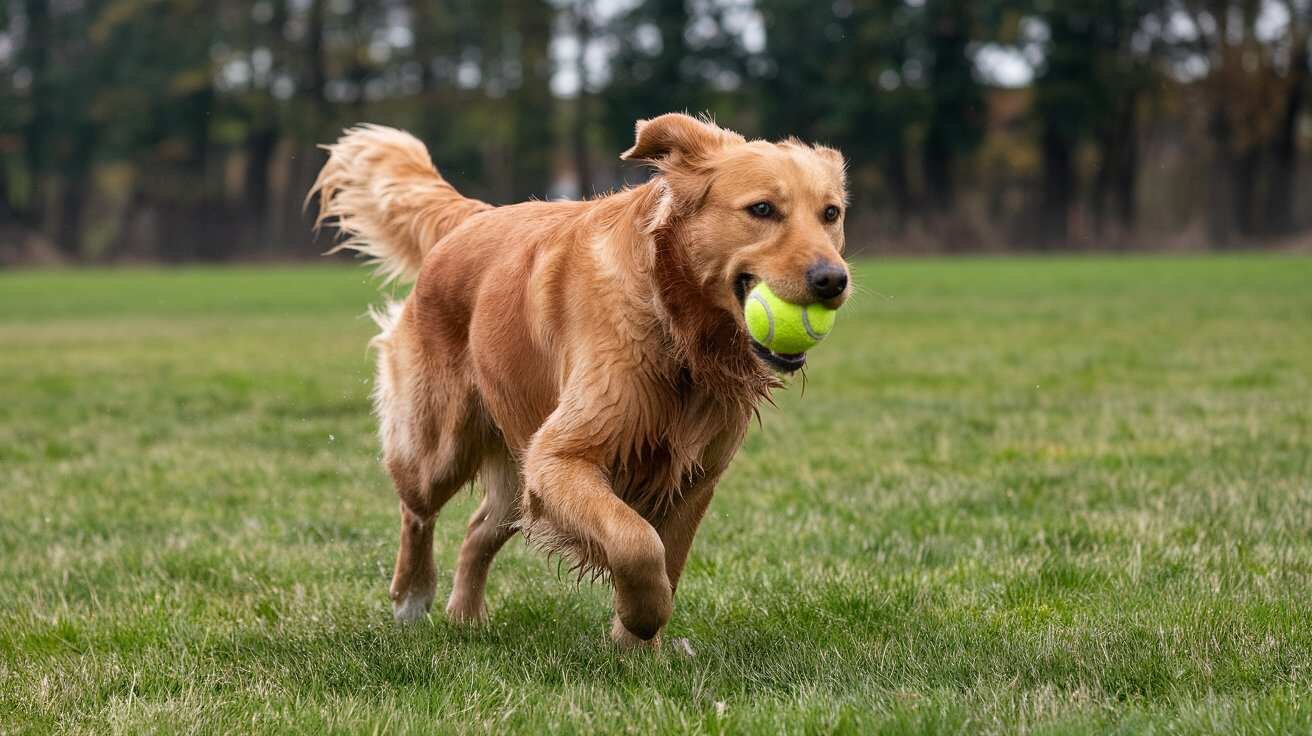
(383, 193)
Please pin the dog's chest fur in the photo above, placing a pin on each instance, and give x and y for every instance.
(688, 435)
(672, 432)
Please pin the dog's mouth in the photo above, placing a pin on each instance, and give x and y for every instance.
(781, 362)
(743, 285)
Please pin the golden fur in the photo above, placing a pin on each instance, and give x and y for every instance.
(587, 360)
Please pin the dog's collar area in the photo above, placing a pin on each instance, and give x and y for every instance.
(777, 361)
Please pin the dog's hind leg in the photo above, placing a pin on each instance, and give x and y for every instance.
(432, 448)
(414, 581)
(489, 528)
(434, 435)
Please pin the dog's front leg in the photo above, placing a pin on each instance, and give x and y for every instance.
(569, 495)
(678, 526)
(676, 530)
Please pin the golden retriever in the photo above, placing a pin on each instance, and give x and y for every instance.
(588, 361)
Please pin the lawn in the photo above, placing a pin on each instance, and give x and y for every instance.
(1016, 495)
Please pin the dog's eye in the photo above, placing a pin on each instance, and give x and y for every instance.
(761, 209)
(831, 213)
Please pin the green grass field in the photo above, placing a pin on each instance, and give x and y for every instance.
(1016, 495)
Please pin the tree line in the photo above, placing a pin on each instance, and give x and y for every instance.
(187, 129)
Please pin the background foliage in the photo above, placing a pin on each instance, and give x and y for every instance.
(186, 129)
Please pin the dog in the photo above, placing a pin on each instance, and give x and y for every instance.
(587, 360)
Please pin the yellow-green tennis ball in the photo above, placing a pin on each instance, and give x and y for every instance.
(784, 327)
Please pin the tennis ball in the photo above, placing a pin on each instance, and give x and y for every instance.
(783, 327)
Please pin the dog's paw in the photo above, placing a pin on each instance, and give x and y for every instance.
(627, 641)
(411, 608)
(462, 612)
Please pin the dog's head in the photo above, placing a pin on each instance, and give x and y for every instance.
(735, 212)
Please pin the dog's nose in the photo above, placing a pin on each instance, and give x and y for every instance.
(826, 280)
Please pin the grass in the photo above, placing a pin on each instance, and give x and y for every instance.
(1017, 495)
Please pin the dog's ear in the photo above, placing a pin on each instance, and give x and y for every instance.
(677, 137)
(832, 156)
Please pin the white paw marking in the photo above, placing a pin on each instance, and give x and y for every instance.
(412, 608)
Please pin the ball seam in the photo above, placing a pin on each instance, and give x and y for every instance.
(806, 325)
(769, 320)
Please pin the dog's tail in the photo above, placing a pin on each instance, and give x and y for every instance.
(387, 200)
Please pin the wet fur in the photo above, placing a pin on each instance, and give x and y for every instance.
(588, 359)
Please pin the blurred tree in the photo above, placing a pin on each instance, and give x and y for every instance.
(35, 58)
(1097, 65)
(1284, 154)
(865, 92)
(1127, 60)
(1068, 98)
(532, 108)
(316, 68)
(155, 103)
(485, 106)
(581, 21)
(671, 55)
(257, 34)
(182, 129)
(1255, 84)
(10, 120)
(651, 73)
(956, 99)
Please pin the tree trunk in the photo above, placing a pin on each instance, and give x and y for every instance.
(579, 146)
(1058, 187)
(531, 104)
(8, 208)
(954, 101)
(423, 14)
(937, 161)
(76, 176)
(582, 108)
(1115, 195)
(184, 223)
(1103, 182)
(37, 131)
(1126, 191)
(316, 60)
(1220, 204)
(260, 146)
(68, 231)
(1280, 216)
(128, 241)
(1244, 168)
(895, 173)
(314, 121)
(357, 71)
